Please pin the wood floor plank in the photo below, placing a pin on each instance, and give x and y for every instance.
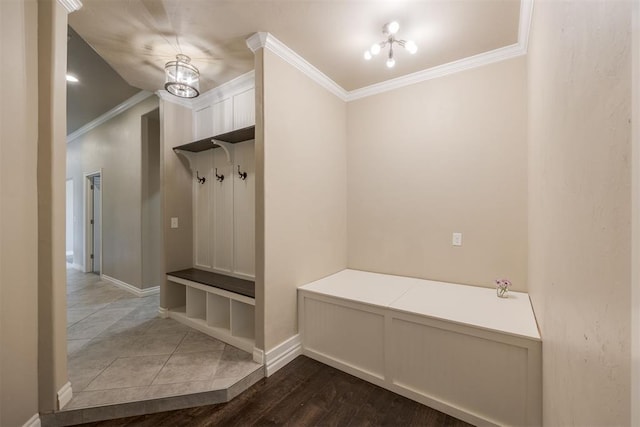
(303, 393)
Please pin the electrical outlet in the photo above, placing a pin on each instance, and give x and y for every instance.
(456, 240)
(174, 222)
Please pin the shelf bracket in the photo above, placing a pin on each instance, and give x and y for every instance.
(225, 147)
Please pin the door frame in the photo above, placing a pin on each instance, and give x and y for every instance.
(88, 237)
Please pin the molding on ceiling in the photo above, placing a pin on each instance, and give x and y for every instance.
(486, 58)
(268, 41)
(257, 41)
(240, 84)
(469, 63)
(135, 99)
(71, 5)
(218, 93)
(166, 96)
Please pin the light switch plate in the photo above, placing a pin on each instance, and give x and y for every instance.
(456, 240)
(174, 222)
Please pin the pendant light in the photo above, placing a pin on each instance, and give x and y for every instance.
(181, 78)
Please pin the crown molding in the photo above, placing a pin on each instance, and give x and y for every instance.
(241, 83)
(486, 58)
(71, 5)
(268, 41)
(257, 41)
(166, 96)
(135, 99)
(469, 63)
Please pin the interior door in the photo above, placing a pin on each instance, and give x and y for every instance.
(96, 198)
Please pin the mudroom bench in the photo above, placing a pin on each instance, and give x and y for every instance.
(215, 304)
(459, 349)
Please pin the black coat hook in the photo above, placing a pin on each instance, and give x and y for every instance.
(242, 175)
(220, 177)
(202, 179)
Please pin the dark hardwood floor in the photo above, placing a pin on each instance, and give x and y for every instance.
(303, 393)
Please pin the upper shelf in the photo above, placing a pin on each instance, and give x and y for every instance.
(233, 137)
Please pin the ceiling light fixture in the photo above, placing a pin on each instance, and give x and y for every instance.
(182, 78)
(389, 30)
(71, 78)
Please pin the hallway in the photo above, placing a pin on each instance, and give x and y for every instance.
(119, 350)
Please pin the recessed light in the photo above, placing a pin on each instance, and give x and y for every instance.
(72, 78)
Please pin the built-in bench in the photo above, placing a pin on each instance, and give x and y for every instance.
(457, 348)
(218, 305)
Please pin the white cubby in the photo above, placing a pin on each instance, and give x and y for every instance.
(224, 315)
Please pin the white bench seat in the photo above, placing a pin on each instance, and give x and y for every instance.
(457, 348)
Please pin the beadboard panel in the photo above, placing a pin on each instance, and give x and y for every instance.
(244, 210)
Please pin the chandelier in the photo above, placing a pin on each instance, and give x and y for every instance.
(181, 78)
(389, 31)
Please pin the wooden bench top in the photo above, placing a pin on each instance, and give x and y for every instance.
(228, 283)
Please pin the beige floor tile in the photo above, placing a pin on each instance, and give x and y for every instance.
(128, 372)
(196, 342)
(189, 367)
(176, 389)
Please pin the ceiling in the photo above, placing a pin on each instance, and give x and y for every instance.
(137, 37)
(99, 88)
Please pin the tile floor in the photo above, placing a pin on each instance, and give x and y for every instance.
(119, 350)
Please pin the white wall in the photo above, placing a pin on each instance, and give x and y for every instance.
(579, 68)
(116, 148)
(442, 156)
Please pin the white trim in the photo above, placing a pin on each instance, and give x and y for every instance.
(77, 267)
(239, 84)
(635, 214)
(64, 395)
(464, 64)
(135, 99)
(127, 287)
(166, 96)
(258, 355)
(257, 41)
(34, 421)
(282, 354)
(163, 312)
(268, 41)
(71, 5)
(284, 52)
(69, 253)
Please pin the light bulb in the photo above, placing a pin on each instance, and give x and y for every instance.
(393, 27)
(71, 78)
(375, 49)
(391, 62)
(367, 55)
(411, 46)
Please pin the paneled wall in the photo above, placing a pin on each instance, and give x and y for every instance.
(224, 204)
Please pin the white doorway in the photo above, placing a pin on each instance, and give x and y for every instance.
(93, 223)
(69, 222)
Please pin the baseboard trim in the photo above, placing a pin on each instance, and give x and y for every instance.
(127, 287)
(282, 354)
(163, 312)
(64, 395)
(33, 421)
(77, 267)
(258, 356)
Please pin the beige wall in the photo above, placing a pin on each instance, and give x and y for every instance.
(635, 220)
(304, 194)
(446, 155)
(176, 183)
(18, 213)
(151, 206)
(579, 69)
(116, 148)
(52, 102)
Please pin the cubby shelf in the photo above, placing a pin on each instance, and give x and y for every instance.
(222, 314)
